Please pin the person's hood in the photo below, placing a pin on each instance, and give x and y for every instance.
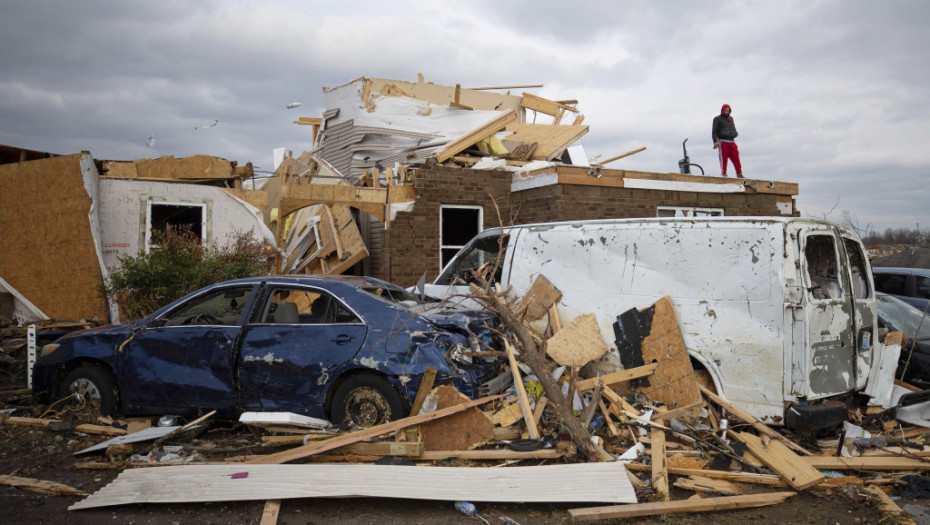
(726, 106)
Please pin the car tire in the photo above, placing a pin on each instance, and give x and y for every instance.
(366, 400)
(95, 384)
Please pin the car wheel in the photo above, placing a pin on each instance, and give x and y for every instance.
(366, 400)
(95, 385)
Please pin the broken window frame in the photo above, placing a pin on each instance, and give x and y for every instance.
(457, 247)
(147, 201)
(858, 267)
(688, 212)
(818, 276)
(455, 269)
(184, 310)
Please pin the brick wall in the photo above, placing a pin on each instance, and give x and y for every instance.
(412, 243)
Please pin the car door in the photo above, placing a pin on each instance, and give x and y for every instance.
(291, 351)
(183, 359)
(831, 349)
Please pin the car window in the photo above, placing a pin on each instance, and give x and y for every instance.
(291, 305)
(822, 268)
(217, 307)
(902, 316)
(893, 283)
(858, 268)
(922, 287)
(483, 250)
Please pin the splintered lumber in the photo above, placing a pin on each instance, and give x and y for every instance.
(439, 455)
(601, 482)
(100, 429)
(361, 435)
(426, 386)
(678, 507)
(708, 485)
(776, 456)
(756, 424)
(40, 486)
(888, 505)
(521, 393)
(659, 467)
(618, 157)
(615, 378)
(866, 463)
(540, 297)
(508, 415)
(460, 144)
(463, 431)
(577, 343)
(32, 422)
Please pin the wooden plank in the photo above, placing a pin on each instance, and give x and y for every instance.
(521, 393)
(40, 486)
(32, 422)
(708, 485)
(600, 482)
(507, 415)
(888, 505)
(460, 144)
(756, 424)
(610, 423)
(866, 463)
(618, 157)
(550, 140)
(497, 455)
(741, 477)
(677, 507)
(544, 105)
(100, 430)
(361, 435)
(615, 378)
(659, 467)
(271, 511)
(383, 448)
(781, 460)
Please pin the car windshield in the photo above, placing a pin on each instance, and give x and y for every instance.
(394, 294)
(902, 316)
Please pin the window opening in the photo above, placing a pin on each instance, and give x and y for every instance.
(858, 267)
(218, 307)
(457, 226)
(180, 216)
(891, 283)
(688, 212)
(822, 267)
(304, 306)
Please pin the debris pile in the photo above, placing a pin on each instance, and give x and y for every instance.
(647, 440)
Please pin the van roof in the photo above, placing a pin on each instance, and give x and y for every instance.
(673, 221)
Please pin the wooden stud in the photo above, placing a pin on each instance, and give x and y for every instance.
(775, 455)
(676, 507)
(659, 466)
(521, 393)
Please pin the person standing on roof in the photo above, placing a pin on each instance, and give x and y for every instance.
(724, 135)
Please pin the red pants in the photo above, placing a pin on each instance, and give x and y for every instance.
(729, 151)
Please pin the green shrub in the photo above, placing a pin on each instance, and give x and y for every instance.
(178, 266)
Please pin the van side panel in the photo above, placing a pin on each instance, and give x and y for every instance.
(725, 280)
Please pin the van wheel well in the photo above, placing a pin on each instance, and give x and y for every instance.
(703, 376)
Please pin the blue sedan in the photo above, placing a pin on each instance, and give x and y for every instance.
(343, 348)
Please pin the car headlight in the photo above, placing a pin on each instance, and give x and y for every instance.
(458, 354)
(48, 349)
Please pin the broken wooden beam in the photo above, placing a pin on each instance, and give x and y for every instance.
(521, 393)
(677, 507)
(776, 456)
(755, 423)
(615, 378)
(40, 486)
(361, 435)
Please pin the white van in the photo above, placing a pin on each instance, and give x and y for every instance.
(779, 311)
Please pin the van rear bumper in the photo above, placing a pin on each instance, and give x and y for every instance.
(816, 417)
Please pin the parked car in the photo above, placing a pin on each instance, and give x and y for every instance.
(911, 285)
(897, 315)
(337, 347)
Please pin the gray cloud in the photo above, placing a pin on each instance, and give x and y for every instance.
(830, 94)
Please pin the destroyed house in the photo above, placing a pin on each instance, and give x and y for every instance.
(450, 162)
(65, 220)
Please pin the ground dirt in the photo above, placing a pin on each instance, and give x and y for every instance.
(43, 454)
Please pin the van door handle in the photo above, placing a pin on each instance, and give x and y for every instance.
(342, 339)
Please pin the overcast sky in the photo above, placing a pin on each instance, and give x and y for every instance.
(834, 95)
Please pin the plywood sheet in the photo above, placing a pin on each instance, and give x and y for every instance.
(463, 431)
(47, 247)
(541, 295)
(577, 343)
(601, 482)
(195, 167)
(550, 140)
(673, 382)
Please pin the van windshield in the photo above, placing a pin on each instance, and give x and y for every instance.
(481, 251)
